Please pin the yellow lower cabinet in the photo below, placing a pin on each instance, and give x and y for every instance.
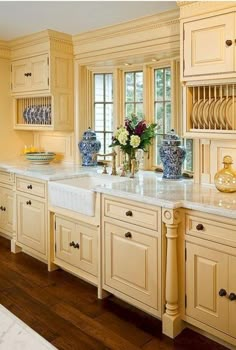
(76, 244)
(31, 223)
(232, 296)
(131, 264)
(6, 210)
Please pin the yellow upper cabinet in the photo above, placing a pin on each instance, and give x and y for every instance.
(208, 41)
(31, 74)
(42, 81)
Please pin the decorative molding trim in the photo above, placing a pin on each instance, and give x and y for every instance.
(137, 33)
(4, 49)
(195, 8)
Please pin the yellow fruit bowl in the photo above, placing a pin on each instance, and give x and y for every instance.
(40, 157)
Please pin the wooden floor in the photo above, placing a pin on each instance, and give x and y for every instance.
(66, 311)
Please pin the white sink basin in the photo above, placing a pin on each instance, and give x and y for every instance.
(78, 193)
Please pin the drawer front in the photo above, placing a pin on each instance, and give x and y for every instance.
(133, 214)
(215, 230)
(7, 178)
(32, 187)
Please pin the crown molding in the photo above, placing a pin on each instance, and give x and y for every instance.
(197, 8)
(4, 49)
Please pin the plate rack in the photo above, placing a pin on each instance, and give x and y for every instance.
(211, 108)
(33, 112)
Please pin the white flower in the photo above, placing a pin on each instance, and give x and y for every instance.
(123, 136)
(135, 141)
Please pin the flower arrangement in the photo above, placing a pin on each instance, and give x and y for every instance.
(135, 134)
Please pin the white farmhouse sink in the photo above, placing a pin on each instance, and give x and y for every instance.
(78, 193)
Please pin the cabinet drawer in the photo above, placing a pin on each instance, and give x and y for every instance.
(7, 178)
(211, 228)
(32, 187)
(133, 214)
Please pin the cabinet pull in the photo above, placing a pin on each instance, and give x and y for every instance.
(129, 213)
(232, 296)
(4, 208)
(27, 74)
(1, 207)
(128, 235)
(28, 202)
(72, 244)
(29, 187)
(222, 293)
(228, 42)
(76, 245)
(199, 227)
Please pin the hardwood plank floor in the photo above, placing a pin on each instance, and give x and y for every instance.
(65, 311)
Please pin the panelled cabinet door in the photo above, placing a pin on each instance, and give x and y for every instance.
(64, 238)
(130, 263)
(31, 228)
(8, 209)
(39, 73)
(207, 46)
(232, 289)
(20, 82)
(206, 275)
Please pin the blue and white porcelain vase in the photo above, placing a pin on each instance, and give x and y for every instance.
(172, 155)
(89, 146)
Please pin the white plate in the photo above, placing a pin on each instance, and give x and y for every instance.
(216, 116)
(205, 113)
(199, 114)
(230, 117)
(194, 114)
(222, 116)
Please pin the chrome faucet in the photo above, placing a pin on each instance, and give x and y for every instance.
(113, 154)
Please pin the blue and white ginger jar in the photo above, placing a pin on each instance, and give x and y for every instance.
(89, 146)
(172, 155)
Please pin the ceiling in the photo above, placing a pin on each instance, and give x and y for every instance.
(18, 18)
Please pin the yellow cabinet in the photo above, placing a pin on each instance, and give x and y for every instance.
(31, 225)
(130, 263)
(211, 287)
(30, 74)
(76, 245)
(6, 210)
(209, 46)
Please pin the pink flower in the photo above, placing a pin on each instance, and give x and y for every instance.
(140, 127)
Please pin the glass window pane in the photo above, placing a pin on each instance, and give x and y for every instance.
(159, 84)
(100, 137)
(99, 117)
(139, 110)
(167, 84)
(139, 86)
(129, 84)
(188, 164)
(167, 117)
(159, 139)
(99, 87)
(108, 138)
(109, 117)
(108, 88)
(159, 114)
(129, 109)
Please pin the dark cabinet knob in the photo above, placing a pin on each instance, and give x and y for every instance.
(228, 42)
(76, 245)
(128, 235)
(27, 74)
(1, 207)
(232, 296)
(199, 227)
(4, 208)
(29, 187)
(28, 202)
(129, 213)
(72, 244)
(222, 293)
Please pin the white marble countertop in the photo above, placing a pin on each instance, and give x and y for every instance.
(147, 187)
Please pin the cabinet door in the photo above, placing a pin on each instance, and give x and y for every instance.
(20, 82)
(39, 73)
(31, 225)
(232, 289)
(205, 48)
(8, 209)
(206, 274)
(130, 263)
(64, 236)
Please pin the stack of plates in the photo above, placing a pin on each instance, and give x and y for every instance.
(40, 157)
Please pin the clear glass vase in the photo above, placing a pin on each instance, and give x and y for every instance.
(127, 161)
(225, 179)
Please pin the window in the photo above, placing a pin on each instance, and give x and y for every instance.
(134, 93)
(103, 109)
(162, 105)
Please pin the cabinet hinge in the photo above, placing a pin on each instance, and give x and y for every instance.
(185, 254)
(185, 300)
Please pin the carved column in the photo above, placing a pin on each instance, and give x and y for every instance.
(172, 323)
